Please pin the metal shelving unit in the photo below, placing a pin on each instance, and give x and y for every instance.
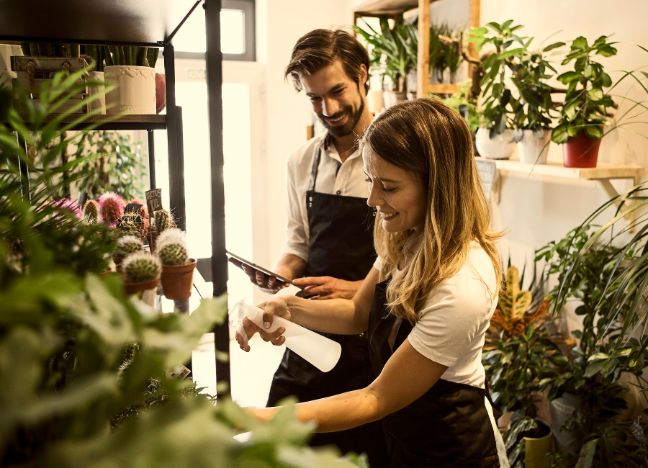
(151, 23)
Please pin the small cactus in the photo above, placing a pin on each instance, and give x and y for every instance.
(112, 208)
(91, 212)
(172, 253)
(126, 245)
(140, 267)
(173, 235)
(163, 221)
(131, 224)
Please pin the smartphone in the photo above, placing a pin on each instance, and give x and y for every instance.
(240, 261)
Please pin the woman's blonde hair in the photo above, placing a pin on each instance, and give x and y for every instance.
(432, 141)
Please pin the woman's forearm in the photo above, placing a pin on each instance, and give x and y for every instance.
(335, 413)
(330, 316)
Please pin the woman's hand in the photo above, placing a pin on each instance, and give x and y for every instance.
(247, 328)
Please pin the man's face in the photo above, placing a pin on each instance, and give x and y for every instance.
(336, 99)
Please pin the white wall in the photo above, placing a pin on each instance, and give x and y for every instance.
(279, 24)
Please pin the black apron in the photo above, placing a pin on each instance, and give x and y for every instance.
(448, 426)
(340, 245)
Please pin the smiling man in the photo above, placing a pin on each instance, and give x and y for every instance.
(329, 248)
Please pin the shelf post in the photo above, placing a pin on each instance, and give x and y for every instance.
(422, 77)
(218, 259)
(174, 138)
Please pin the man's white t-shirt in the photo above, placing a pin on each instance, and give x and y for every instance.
(453, 322)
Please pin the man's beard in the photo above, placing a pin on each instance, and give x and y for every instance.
(344, 130)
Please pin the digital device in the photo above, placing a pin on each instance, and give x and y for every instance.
(240, 262)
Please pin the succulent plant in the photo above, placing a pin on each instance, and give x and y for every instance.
(91, 212)
(112, 208)
(171, 235)
(131, 224)
(140, 267)
(69, 205)
(125, 246)
(163, 221)
(172, 253)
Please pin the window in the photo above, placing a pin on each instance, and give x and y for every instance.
(237, 33)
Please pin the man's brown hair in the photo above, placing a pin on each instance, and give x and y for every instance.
(320, 48)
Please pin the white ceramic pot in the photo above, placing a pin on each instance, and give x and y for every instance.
(534, 146)
(100, 90)
(499, 147)
(135, 91)
(393, 97)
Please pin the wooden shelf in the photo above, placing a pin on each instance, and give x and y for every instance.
(440, 88)
(384, 7)
(553, 171)
(556, 172)
(141, 22)
(126, 122)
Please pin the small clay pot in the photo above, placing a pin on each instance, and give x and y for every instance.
(177, 280)
(134, 288)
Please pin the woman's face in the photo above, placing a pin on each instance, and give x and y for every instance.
(398, 195)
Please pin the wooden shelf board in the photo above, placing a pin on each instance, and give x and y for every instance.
(141, 22)
(126, 122)
(441, 88)
(373, 7)
(553, 170)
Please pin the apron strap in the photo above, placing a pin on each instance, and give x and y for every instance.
(316, 161)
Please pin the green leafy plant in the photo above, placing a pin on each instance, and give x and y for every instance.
(603, 265)
(587, 106)
(110, 162)
(445, 51)
(393, 49)
(520, 352)
(463, 102)
(132, 55)
(85, 371)
(515, 89)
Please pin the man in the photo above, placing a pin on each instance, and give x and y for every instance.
(330, 243)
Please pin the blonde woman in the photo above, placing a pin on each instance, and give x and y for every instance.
(426, 303)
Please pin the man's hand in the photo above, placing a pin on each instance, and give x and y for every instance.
(327, 287)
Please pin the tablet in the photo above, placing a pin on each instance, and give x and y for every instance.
(240, 261)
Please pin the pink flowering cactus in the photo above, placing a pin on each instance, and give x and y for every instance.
(69, 205)
(112, 208)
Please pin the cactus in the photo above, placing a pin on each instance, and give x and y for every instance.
(131, 224)
(91, 212)
(163, 221)
(140, 267)
(173, 235)
(172, 253)
(126, 245)
(112, 208)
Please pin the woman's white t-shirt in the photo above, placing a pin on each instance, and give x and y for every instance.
(453, 322)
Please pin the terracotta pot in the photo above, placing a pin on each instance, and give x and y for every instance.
(134, 288)
(160, 92)
(177, 280)
(581, 151)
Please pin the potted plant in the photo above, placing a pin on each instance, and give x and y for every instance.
(125, 246)
(141, 271)
(91, 212)
(393, 54)
(177, 267)
(520, 353)
(602, 266)
(497, 104)
(132, 69)
(587, 106)
(532, 116)
(162, 220)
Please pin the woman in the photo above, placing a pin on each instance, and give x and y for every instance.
(426, 303)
